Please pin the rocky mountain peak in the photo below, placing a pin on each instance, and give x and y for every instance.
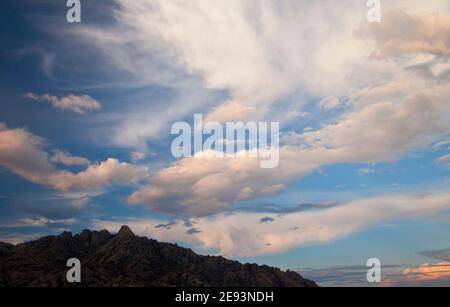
(127, 260)
(125, 232)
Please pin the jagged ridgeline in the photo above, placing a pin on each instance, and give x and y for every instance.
(125, 259)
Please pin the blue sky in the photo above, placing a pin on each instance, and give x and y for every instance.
(86, 111)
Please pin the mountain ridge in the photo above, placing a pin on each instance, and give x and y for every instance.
(124, 260)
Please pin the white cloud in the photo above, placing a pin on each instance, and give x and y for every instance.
(296, 114)
(77, 104)
(97, 176)
(23, 154)
(205, 184)
(365, 171)
(66, 158)
(403, 35)
(231, 111)
(330, 102)
(20, 151)
(444, 160)
(137, 156)
(385, 127)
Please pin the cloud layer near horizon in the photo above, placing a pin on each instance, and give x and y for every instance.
(242, 234)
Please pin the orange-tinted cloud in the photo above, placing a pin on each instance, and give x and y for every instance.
(428, 272)
(401, 34)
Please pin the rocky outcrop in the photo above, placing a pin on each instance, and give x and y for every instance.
(127, 260)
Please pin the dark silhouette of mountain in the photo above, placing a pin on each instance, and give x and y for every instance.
(128, 260)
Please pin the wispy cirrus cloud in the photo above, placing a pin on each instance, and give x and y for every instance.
(47, 58)
(263, 67)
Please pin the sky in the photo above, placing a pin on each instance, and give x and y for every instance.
(87, 110)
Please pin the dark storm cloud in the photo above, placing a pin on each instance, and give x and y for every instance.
(266, 219)
(193, 231)
(166, 226)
